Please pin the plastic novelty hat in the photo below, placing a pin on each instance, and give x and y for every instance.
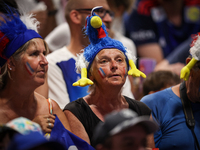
(117, 122)
(15, 32)
(98, 36)
(195, 52)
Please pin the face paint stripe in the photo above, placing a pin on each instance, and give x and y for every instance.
(28, 68)
(101, 72)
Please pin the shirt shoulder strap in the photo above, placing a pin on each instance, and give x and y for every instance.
(50, 106)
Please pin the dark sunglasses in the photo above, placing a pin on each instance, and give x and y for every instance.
(100, 12)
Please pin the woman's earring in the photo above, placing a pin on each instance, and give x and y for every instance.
(10, 68)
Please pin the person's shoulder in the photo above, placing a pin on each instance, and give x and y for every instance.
(61, 54)
(75, 104)
(158, 97)
(138, 106)
(130, 100)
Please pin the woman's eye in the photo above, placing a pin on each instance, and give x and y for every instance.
(119, 60)
(103, 61)
(34, 54)
(45, 53)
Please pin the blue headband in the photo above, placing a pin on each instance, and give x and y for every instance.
(14, 34)
(16, 43)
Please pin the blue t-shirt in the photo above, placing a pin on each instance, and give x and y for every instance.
(167, 110)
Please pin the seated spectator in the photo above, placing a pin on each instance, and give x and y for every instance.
(177, 109)
(123, 130)
(104, 65)
(62, 73)
(162, 29)
(23, 67)
(159, 80)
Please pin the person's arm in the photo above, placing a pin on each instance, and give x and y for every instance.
(58, 111)
(164, 65)
(76, 126)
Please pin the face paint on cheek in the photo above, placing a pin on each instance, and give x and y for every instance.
(101, 72)
(28, 68)
(125, 72)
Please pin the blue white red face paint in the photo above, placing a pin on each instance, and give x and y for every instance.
(101, 72)
(28, 68)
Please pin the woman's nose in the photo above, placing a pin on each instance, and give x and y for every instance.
(44, 60)
(113, 64)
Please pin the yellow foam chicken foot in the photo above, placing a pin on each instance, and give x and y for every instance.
(134, 71)
(84, 81)
(185, 71)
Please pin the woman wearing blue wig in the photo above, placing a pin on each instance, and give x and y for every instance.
(103, 65)
(22, 69)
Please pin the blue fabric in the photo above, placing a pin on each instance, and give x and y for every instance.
(143, 29)
(167, 110)
(70, 76)
(68, 139)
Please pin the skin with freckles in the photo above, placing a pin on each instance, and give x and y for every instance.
(112, 62)
(34, 56)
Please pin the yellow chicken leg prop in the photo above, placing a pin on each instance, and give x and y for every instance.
(84, 81)
(134, 71)
(185, 71)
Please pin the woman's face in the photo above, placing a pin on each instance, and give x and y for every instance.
(109, 68)
(33, 64)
